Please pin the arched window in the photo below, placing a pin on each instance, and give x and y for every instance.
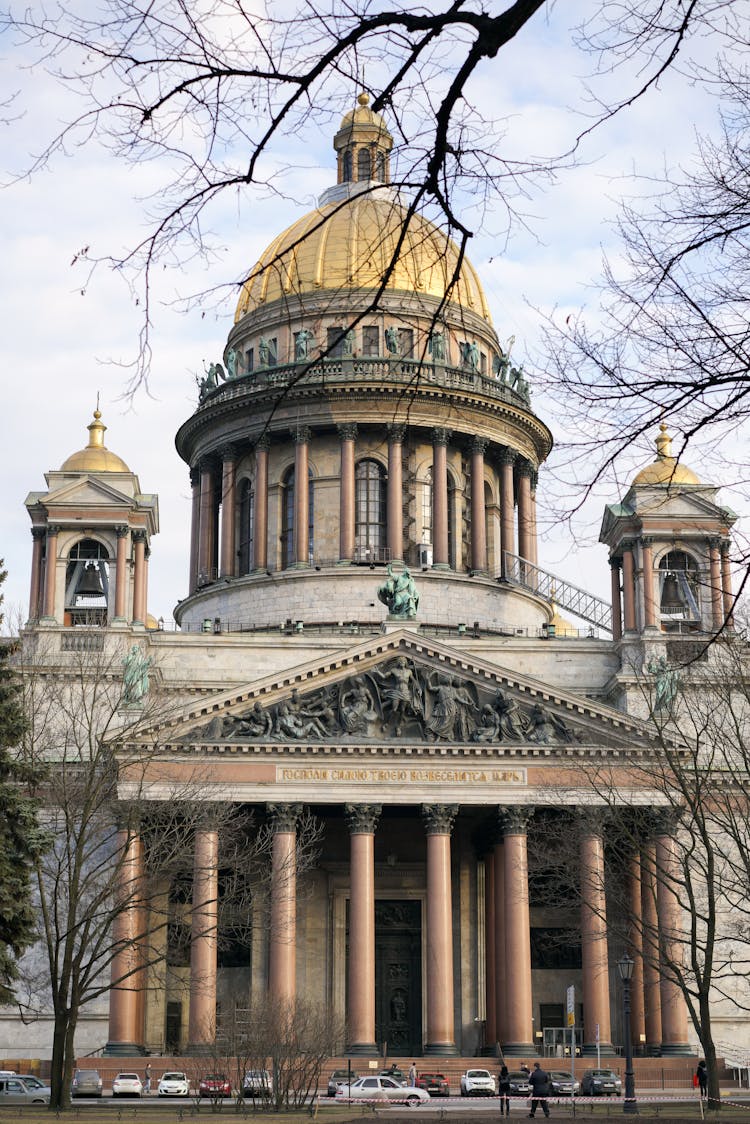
(370, 510)
(679, 599)
(247, 527)
(87, 583)
(489, 528)
(364, 165)
(288, 557)
(427, 513)
(347, 166)
(380, 167)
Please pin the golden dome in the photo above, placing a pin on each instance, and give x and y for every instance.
(666, 469)
(363, 115)
(349, 245)
(95, 457)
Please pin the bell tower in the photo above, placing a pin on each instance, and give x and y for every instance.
(669, 542)
(92, 530)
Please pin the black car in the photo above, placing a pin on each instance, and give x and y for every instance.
(518, 1080)
(340, 1077)
(601, 1083)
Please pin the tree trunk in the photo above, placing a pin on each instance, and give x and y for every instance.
(709, 1053)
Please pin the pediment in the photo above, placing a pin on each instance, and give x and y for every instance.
(88, 491)
(405, 689)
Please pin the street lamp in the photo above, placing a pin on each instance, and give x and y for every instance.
(625, 967)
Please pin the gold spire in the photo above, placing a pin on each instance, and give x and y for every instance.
(96, 457)
(665, 469)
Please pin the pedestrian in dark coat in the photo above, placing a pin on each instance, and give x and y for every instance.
(702, 1074)
(503, 1088)
(539, 1081)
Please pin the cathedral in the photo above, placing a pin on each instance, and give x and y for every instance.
(367, 634)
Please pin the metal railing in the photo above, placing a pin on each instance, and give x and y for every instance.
(583, 604)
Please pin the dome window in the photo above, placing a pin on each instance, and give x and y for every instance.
(371, 340)
(364, 165)
(679, 603)
(288, 557)
(347, 167)
(370, 511)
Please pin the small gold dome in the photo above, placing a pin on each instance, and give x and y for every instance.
(666, 469)
(350, 246)
(95, 457)
(363, 115)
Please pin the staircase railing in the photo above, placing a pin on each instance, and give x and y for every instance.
(551, 587)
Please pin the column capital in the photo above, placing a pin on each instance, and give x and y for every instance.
(514, 819)
(283, 817)
(724, 547)
(591, 821)
(206, 465)
(441, 435)
(628, 544)
(139, 536)
(53, 529)
(479, 445)
(525, 468)
(38, 533)
(228, 452)
(301, 434)
(714, 543)
(195, 476)
(439, 818)
(646, 540)
(534, 479)
(507, 456)
(362, 818)
(348, 431)
(263, 443)
(615, 563)
(396, 434)
(122, 531)
(665, 821)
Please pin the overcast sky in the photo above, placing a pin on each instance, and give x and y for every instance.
(65, 336)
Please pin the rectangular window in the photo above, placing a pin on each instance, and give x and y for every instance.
(406, 342)
(273, 352)
(335, 343)
(371, 340)
(250, 360)
(482, 363)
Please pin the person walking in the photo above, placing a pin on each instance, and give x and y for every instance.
(147, 1076)
(702, 1074)
(539, 1081)
(503, 1088)
(413, 1075)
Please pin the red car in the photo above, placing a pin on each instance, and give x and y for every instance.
(436, 1084)
(215, 1085)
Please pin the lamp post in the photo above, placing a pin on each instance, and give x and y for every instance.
(625, 967)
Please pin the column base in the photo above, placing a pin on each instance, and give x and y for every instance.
(605, 1049)
(124, 1050)
(344, 562)
(441, 1050)
(519, 1050)
(362, 1050)
(440, 566)
(479, 573)
(676, 1050)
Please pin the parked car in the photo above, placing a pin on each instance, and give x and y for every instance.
(340, 1077)
(477, 1083)
(174, 1084)
(518, 1079)
(13, 1090)
(127, 1085)
(382, 1088)
(436, 1084)
(214, 1085)
(600, 1083)
(563, 1084)
(257, 1083)
(32, 1081)
(396, 1073)
(86, 1083)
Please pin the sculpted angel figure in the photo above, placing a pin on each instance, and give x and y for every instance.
(489, 725)
(356, 710)
(513, 723)
(451, 713)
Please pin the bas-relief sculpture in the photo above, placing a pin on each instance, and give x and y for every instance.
(397, 699)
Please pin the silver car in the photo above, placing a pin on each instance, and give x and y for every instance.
(86, 1083)
(563, 1084)
(14, 1090)
(382, 1089)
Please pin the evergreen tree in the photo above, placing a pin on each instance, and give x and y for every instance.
(21, 839)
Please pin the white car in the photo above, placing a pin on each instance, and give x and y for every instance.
(382, 1089)
(127, 1085)
(477, 1083)
(257, 1083)
(174, 1085)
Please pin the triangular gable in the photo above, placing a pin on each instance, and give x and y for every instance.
(406, 688)
(89, 491)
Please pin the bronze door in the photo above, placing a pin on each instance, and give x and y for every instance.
(398, 976)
